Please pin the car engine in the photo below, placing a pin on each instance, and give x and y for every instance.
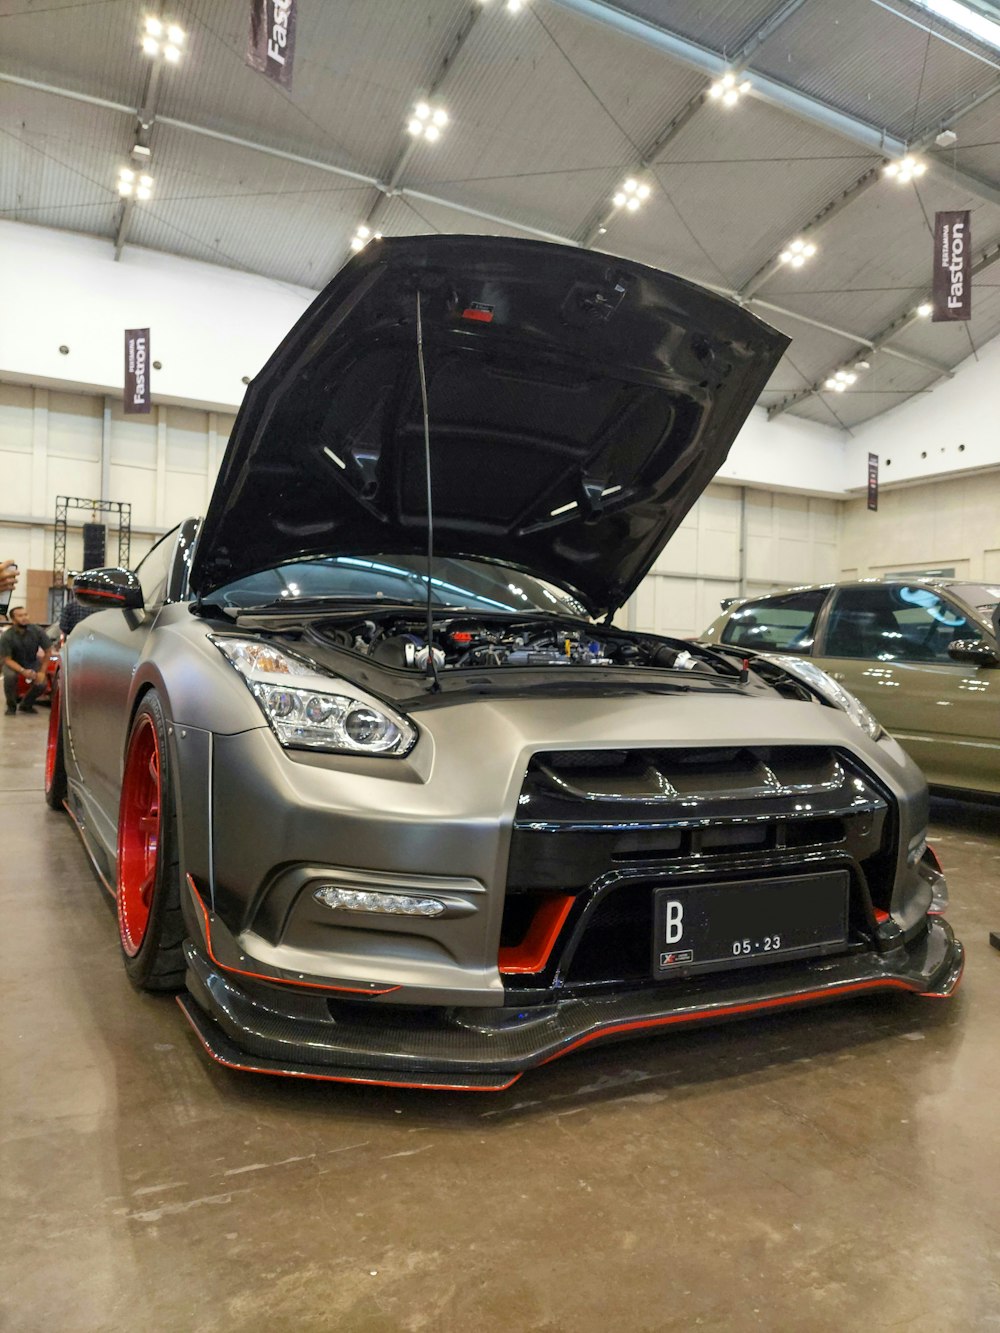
(468, 643)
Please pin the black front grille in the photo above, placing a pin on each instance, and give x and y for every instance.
(609, 827)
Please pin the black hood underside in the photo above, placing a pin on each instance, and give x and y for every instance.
(578, 405)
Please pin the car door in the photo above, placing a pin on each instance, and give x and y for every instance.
(101, 657)
(888, 643)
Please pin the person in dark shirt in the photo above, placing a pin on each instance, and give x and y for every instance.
(72, 613)
(20, 647)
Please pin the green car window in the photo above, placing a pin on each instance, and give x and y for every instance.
(785, 623)
(895, 623)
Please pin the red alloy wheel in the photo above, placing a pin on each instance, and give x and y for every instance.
(52, 744)
(138, 835)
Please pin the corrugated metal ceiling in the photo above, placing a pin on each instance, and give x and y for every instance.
(548, 110)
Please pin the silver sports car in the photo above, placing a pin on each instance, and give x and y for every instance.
(374, 779)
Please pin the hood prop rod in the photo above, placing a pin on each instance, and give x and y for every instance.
(432, 673)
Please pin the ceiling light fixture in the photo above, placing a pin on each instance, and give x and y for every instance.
(427, 121)
(840, 380)
(729, 89)
(362, 236)
(797, 252)
(155, 43)
(924, 309)
(631, 194)
(126, 181)
(905, 169)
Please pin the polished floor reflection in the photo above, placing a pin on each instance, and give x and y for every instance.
(836, 1169)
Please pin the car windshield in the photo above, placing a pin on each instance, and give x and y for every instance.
(472, 584)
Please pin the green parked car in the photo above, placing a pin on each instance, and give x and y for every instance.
(921, 654)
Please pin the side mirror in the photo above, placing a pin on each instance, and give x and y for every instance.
(974, 651)
(106, 588)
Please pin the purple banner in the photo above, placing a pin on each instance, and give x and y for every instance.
(272, 39)
(873, 481)
(952, 266)
(137, 396)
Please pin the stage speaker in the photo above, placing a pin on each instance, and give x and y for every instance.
(94, 535)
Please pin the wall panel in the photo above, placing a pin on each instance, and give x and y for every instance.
(948, 523)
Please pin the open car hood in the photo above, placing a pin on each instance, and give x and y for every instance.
(578, 405)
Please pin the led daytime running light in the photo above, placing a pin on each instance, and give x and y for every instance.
(389, 904)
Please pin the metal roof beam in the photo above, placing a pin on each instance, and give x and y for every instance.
(989, 190)
(880, 343)
(597, 225)
(406, 152)
(770, 90)
(145, 117)
(713, 64)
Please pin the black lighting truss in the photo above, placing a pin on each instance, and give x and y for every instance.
(64, 503)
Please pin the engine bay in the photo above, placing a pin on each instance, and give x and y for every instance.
(464, 642)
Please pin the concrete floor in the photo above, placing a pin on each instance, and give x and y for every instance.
(828, 1170)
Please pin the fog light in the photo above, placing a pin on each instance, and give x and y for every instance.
(391, 904)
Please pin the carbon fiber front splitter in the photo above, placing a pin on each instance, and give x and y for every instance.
(486, 1050)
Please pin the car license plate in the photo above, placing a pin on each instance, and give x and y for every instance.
(715, 927)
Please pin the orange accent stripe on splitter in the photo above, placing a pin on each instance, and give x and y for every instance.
(532, 954)
(278, 981)
(731, 1010)
(340, 1078)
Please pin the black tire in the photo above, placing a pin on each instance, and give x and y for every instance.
(55, 752)
(150, 924)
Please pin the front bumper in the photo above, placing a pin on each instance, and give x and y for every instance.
(257, 1027)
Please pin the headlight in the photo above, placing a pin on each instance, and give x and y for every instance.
(309, 709)
(833, 692)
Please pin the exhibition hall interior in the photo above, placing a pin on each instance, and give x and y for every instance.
(500, 589)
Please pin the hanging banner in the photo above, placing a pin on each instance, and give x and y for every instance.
(952, 266)
(272, 39)
(137, 397)
(873, 481)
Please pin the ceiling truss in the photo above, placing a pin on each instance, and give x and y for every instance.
(679, 48)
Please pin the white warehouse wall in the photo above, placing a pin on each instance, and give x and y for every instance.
(950, 523)
(209, 326)
(954, 428)
(939, 471)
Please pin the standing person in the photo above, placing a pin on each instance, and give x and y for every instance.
(20, 647)
(72, 613)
